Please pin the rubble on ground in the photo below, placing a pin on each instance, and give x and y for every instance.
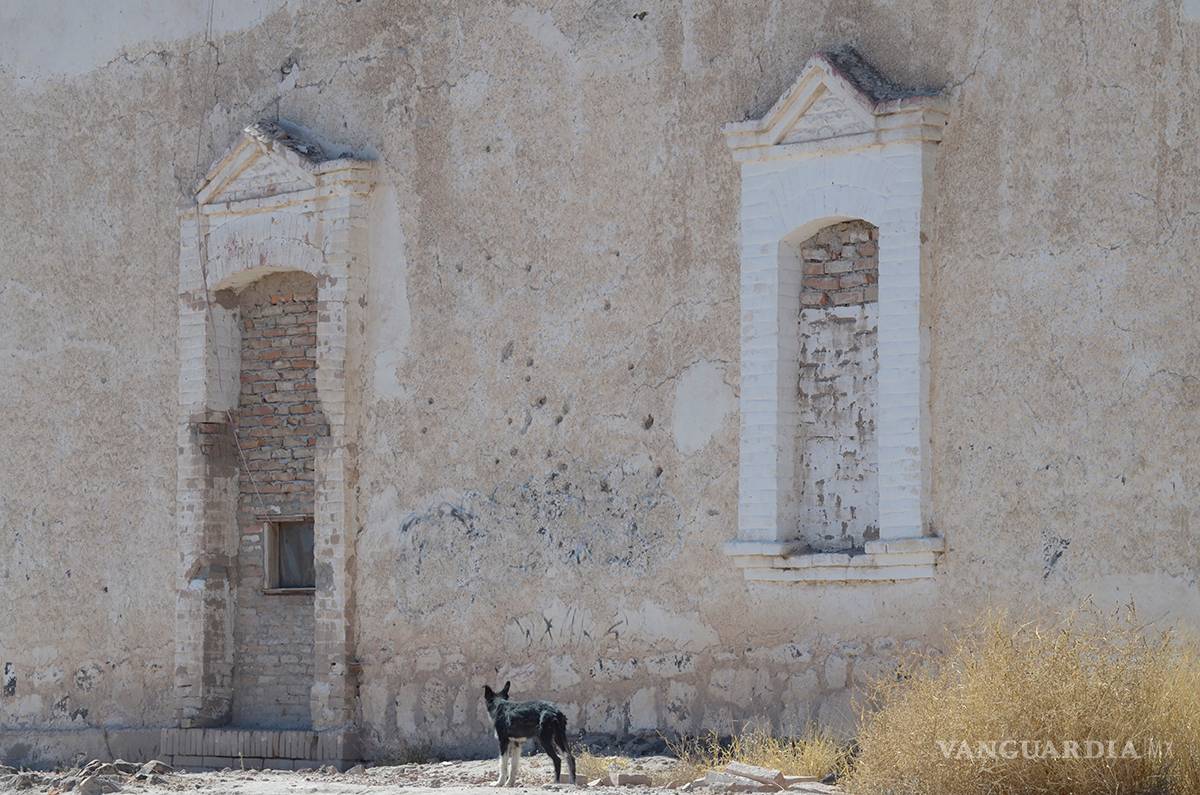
(656, 773)
(619, 778)
(94, 778)
(740, 777)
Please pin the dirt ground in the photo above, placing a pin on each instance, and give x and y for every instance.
(436, 778)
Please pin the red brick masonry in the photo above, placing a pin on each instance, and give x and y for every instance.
(841, 265)
(278, 421)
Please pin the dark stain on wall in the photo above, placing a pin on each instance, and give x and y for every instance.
(621, 521)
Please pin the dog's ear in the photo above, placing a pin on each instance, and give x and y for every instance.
(504, 692)
(488, 693)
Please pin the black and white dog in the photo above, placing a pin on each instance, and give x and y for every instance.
(516, 722)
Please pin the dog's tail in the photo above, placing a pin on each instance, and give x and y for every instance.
(560, 739)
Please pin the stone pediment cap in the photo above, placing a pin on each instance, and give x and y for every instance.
(271, 134)
(269, 157)
(837, 93)
(847, 63)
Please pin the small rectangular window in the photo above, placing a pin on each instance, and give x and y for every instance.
(289, 551)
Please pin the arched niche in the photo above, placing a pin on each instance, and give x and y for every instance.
(843, 143)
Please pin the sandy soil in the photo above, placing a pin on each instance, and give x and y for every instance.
(444, 778)
(447, 778)
(437, 778)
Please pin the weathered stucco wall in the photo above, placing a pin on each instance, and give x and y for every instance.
(548, 438)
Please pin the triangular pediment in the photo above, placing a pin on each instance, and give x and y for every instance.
(829, 113)
(836, 95)
(266, 160)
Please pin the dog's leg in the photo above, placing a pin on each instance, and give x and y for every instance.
(560, 739)
(515, 750)
(570, 764)
(546, 740)
(503, 763)
(500, 782)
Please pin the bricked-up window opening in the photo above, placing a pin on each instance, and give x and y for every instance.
(289, 561)
(836, 446)
(834, 443)
(279, 419)
(280, 425)
(266, 301)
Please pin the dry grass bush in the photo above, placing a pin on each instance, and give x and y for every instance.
(813, 753)
(589, 765)
(1091, 678)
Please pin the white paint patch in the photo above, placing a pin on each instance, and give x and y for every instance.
(383, 512)
(562, 672)
(389, 325)
(602, 715)
(29, 706)
(1162, 600)
(470, 91)
(1190, 10)
(373, 700)
(643, 710)
(32, 44)
(702, 402)
(543, 30)
(406, 709)
(653, 622)
(691, 51)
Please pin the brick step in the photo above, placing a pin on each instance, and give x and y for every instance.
(218, 748)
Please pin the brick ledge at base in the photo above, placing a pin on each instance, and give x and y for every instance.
(881, 561)
(273, 749)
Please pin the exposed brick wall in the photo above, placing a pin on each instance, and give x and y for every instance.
(278, 423)
(841, 265)
(278, 419)
(837, 450)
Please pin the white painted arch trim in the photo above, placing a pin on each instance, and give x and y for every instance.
(789, 192)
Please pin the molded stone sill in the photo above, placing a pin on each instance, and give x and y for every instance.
(881, 561)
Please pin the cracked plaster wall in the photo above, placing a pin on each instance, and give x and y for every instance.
(555, 251)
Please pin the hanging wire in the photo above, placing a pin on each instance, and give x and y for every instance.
(203, 260)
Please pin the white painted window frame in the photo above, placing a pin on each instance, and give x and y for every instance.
(828, 152)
